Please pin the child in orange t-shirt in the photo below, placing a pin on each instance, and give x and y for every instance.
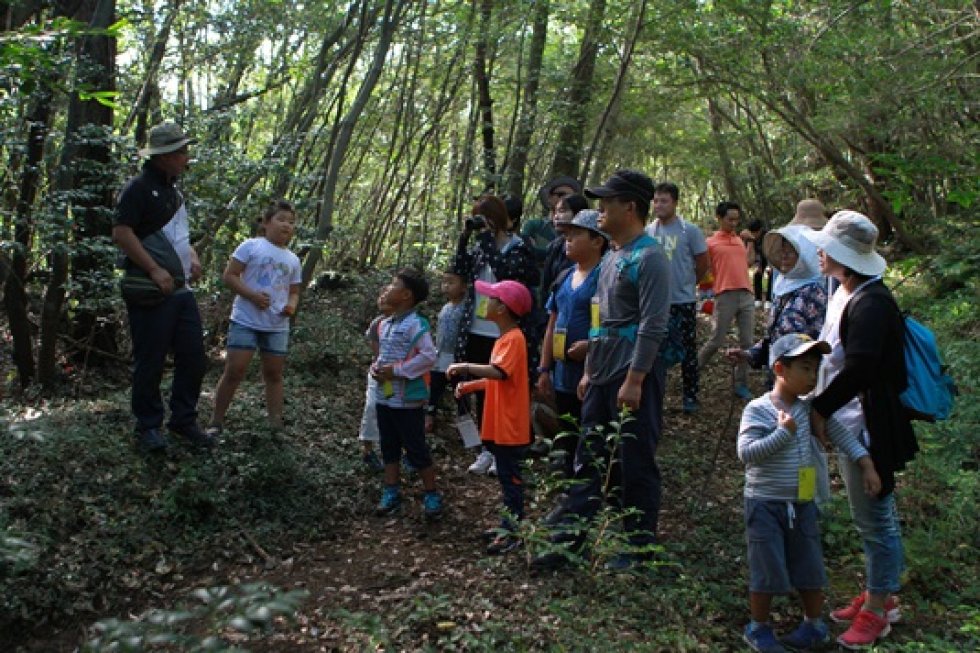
(506, 428)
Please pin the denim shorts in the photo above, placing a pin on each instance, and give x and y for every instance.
(267, 342)
(784, 546)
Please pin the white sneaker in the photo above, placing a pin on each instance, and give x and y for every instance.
(758, 304)
(493, 468)
(768, 305)
(482, 463)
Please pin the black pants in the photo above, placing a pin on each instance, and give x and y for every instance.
(638, 475)
(688, 315)
(438, 382)
(174, 325)
(509, 461)
(570, 425)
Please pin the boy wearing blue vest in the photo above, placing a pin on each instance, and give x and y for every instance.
(406, 354)
(629, 319)
(784, 475)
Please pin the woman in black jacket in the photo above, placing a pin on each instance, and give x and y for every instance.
(860, 385)
(496, 254)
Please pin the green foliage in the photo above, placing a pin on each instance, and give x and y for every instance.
(245, 609)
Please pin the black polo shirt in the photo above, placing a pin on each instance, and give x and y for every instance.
(148, 201)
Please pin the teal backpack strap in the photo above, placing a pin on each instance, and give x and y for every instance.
(631, 263)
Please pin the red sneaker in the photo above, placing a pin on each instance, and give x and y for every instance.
(847, 614)
(866, 628)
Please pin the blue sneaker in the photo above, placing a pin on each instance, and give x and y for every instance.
(742, 392)
(808, 635)
(762, 639)
(691, 406)
(432, 504)
(391, 501)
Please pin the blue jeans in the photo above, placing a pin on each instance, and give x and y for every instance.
(174, 325)
(876, 520)
(636, 476)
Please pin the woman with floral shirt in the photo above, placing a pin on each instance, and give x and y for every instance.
(799, 301)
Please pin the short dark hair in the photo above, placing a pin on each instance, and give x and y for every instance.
(415, 282)
(643, 194)
(668, 187)
(756, 225)
(724, 207)
(575, 203)
(275, 207)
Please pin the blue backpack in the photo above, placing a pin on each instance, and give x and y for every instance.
(929, 395)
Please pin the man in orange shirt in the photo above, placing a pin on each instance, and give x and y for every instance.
(730, 260)
(506, 428)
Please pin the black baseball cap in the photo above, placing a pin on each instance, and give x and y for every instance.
(624, 182)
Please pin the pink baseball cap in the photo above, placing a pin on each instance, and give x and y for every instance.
(513, 294)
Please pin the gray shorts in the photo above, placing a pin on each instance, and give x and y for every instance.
(784, 546)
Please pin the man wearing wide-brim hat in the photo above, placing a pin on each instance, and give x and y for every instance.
(151, 228)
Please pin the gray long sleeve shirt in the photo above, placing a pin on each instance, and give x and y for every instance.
(773, 455)
(640, 299)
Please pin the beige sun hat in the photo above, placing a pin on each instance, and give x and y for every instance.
(810, 213)
(849, 238)
(165, 138)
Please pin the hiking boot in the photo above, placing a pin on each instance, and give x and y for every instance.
(372, 462)
(151, 441)
(432, 505)
(482, 463)
(691, 406)
(391, 501)
(503, 544)
(194, 436)
(214, 431)
(866, 628)
(761, 638)
(847, 614)
(808, 635)
(742, 392)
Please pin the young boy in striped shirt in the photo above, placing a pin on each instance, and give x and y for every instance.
(783, 475)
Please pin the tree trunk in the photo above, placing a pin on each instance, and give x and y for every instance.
(148, 91)
(392, 15)
(482, 77)
(81, 182)
(517, 169)
(568, 153)
(15, 298)
(625, 59)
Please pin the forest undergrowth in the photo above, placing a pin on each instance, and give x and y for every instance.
(270, 544)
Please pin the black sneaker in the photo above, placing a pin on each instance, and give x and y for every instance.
(195, 436)
(151, 441)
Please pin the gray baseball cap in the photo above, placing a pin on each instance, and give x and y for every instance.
(588, 219)
(795, 344)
